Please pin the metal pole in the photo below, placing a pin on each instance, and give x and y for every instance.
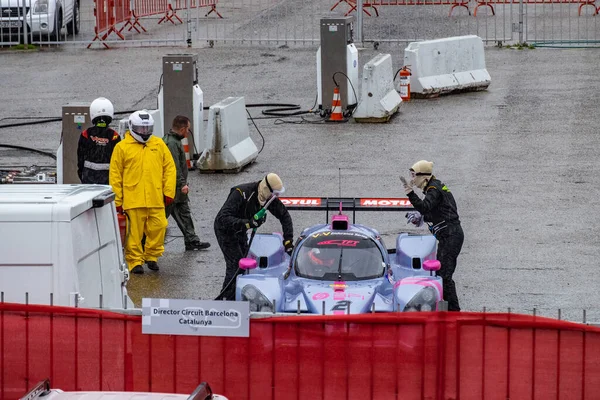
(520, 21)
(359, 22)
(188, 21)
(24, 31)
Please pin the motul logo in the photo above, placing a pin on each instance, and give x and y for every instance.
(385, 202)
(301, 201)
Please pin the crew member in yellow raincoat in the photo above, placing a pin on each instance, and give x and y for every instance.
(143, 176)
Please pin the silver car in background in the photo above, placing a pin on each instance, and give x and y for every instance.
(43, 18)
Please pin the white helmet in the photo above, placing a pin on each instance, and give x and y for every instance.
(141, 125)
(102, 107)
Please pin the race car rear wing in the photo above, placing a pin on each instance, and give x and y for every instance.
(348, 203)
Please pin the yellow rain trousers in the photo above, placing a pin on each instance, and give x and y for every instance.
(141, 175)
(153, 223)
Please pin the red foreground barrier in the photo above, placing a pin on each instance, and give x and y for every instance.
(372, 356)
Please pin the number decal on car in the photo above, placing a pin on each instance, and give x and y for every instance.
(341, 305)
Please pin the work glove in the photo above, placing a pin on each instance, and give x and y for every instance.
(168, 201)
(415, 218)
(289, 247)
(407, 185)
(119, 209)
(254, 223)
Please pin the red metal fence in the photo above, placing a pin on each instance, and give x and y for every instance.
(113, 16)
(373, 356)
(374, 4)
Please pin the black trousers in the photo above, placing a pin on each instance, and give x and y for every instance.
(234, 248)
(449, 246)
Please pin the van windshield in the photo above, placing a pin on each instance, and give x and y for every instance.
(347, 256)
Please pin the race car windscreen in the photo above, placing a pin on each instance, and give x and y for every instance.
(339, 256)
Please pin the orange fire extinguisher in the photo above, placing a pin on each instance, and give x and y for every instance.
(405, 83)
(122, 218)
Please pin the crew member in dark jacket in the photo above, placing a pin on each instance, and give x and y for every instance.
(180, 208)
(439, 211)
(236, 217)
(96, 144)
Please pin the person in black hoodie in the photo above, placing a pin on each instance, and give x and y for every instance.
(440, 212)
(96, 144)
(236, 217)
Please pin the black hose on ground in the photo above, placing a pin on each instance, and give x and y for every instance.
(14, 147)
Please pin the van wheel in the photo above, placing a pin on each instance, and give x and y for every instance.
(73, 26)
(58, 24)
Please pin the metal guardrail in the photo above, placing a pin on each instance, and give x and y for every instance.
(443, 306)
(287, 22)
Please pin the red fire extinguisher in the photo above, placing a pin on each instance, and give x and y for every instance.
(122, 218)
(405, 83)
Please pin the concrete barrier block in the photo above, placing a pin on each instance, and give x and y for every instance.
(379, 100)
(448, 65)
(227, 138)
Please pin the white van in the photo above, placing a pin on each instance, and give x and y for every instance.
(60, 244)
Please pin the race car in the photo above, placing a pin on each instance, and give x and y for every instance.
(341, 267)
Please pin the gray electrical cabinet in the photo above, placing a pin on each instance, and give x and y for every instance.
(75, 119)
(336, 35)
(180, 74)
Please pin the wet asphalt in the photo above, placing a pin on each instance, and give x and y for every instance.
(520, 158)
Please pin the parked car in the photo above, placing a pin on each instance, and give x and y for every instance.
(44, 18)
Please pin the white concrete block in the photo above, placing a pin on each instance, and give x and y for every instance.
(227, 138)
(379, 100)
(447, 65)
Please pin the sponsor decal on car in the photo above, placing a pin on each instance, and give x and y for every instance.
(339, 243)
(385, 202)
(302, 201)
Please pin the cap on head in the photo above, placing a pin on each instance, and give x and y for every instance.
(422, 167)
(421, 172)
(274, 183)
(270, 184)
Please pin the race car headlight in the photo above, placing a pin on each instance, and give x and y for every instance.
(258, 301)
(40, 7)
(424, 300)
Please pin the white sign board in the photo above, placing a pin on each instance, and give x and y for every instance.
(195, 317)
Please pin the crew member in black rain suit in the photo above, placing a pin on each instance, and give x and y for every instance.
(236, 217)
(96, 144)
(439, 210)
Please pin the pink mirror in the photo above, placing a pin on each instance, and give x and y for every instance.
(431, 265)
(247, 263)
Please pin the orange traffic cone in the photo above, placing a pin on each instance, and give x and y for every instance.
(336, 106)
(186, 150)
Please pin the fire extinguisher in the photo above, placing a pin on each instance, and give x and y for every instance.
(405, 83)
(122, 218)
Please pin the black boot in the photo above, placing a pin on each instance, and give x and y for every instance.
(153, 265)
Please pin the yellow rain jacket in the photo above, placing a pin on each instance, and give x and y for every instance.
(142, 174)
